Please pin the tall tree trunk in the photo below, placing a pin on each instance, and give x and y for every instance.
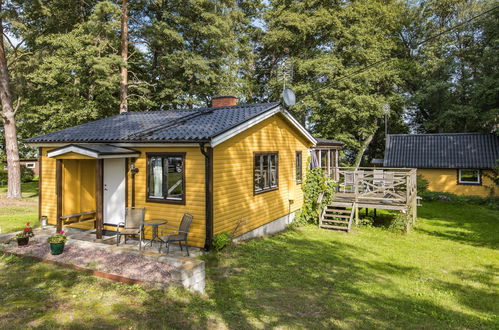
(365, 144)
(124, 57)
(9, 124)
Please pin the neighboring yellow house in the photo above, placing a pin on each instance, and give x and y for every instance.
(458, 163)
(228, 165)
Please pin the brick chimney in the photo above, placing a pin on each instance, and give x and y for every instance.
(223, 101)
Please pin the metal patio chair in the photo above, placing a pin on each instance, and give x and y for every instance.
(179, 235)
(133, 224)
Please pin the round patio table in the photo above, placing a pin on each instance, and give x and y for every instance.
(155, 223)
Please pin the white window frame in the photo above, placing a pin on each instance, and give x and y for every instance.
(460, 180)
(30, 165)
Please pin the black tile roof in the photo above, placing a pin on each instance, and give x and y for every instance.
(195, 125)
(451, 150)
(327, 142)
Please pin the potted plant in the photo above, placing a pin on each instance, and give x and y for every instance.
(57, 242)
(23, 237)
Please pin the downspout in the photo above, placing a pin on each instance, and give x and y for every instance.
(208, 170)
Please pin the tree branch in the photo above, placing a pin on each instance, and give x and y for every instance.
(18, 103)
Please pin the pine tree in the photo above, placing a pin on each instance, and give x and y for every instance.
(8, 116)
(327, 41)
(197, 50)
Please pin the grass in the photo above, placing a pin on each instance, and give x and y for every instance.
(15, 213)
(444, 274)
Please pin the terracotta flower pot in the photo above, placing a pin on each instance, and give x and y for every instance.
(56, 248)
(22, 241)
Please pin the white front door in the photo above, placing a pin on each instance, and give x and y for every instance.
(114, 191)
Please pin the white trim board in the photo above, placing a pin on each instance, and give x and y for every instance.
(89, 153)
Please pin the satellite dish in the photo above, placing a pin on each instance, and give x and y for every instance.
(288, 96)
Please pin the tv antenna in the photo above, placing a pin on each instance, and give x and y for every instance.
(285, 75)
(386, 111)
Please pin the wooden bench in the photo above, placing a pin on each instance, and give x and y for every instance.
(77, 217)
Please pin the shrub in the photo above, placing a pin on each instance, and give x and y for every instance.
(401, 222)
(316, 182)
(490, 202)
(422, 184)
(26, 174)
(221, 240)
(3, 177)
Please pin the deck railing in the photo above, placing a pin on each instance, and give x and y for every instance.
(377, 185)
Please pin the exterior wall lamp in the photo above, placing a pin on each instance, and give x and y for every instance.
(133, 169)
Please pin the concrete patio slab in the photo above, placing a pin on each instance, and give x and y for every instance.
(124, 263)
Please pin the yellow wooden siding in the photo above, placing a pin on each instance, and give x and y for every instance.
(446, 180)
(73, 155)
(49, 198)
(195, 193)
(234, 200)
(78, 179)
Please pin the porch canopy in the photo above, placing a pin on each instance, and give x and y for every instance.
(80, 186)
(92, 151)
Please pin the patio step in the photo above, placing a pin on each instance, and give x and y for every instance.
(339, 211)
(335, 227)
(335, 221)
(337, 216)
(332, 215)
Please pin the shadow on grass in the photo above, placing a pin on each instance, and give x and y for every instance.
(290, 280)
(469, 224)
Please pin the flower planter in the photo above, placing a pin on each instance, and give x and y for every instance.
(22, 241)
(56, 248)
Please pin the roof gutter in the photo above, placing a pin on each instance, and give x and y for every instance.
(207, 152)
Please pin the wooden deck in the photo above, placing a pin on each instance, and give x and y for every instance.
(371, 188)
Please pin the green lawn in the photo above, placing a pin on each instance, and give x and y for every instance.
(15, 214)
(444, 274)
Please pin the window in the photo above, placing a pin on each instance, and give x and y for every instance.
(298, 167)
(30, 165)
(166, 178)
(266, 171)
(469, 176)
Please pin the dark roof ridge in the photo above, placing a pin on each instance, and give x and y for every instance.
(200, 108)
(199, 112)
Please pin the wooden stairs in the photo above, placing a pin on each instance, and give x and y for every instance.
(337, 216)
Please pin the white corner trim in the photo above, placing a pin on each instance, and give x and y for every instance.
(252, 122)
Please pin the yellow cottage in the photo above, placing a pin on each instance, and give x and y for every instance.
(458, 163)
(228, 165)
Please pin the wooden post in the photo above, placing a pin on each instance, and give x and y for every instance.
(58, 192)
(356, 215)
(99, 198)
(40, 169)
(133, 184)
